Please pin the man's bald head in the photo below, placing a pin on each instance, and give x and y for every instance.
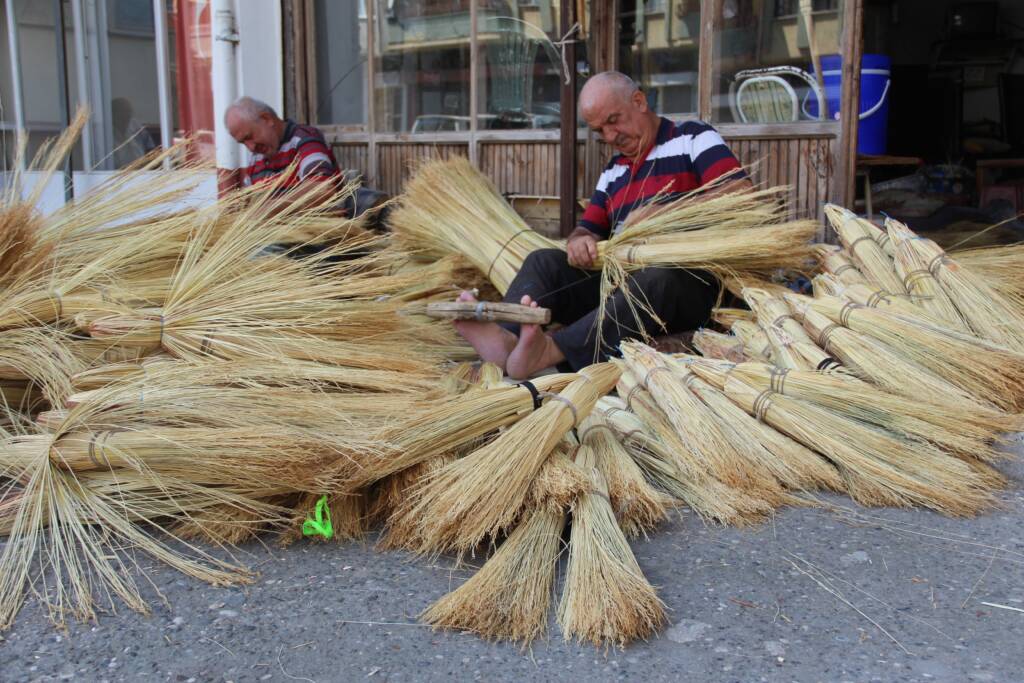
(616, 109)
(606, 86)
(255, 124)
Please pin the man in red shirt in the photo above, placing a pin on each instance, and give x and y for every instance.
(654, 155)
(281, 146)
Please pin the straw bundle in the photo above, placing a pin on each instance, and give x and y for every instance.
(673, 467)
(510, 596)
(1000, 267)
(835, 261)
(872, 297)
(989, 314)
(879, 467)
(402, 529)
(606, 598)
(481, 494)
(727, 316)
(942, 424)
(717, 345)
(861, 239)
(871, 360)
(985, 370)
(638, 507)
(735, 462)
(449, 207)
(793, 465)
(755, 342)
(442, 426)
(926, 291)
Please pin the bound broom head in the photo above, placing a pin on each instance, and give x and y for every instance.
(560, 483)
(835, 261)
(981, 368)
(755, 342)
(606, 599)
(727, 316)
(921, 418)
(721, 346)
(482, 494)
(637, 505)
(988, 313)
(861, 239)
(509, 597)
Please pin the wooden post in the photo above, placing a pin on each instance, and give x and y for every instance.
(710, 14)
(474, 74)
(567, 178)
(849, 106)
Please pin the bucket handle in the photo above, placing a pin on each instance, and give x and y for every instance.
(881, 101)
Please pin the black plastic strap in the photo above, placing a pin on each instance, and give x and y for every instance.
(529, 386)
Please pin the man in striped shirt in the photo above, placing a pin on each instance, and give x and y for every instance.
(654, 155)
(276, 144)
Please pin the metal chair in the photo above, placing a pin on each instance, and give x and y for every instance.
(764, 96)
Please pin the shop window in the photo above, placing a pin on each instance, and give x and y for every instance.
(422, 70)
(520, 69)
(341, 63)
(767, 55)
(659, 46)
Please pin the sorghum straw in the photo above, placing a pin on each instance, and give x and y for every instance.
(509, 597)
(860, 239)
(727, 316)
(606, 598)
(446, 424)
(674, 468)
(449, 207)
(872, 297)
(925, 290)
(978, 366)
(638, 507)
(1000, 267)
(717, 345)
(990, 314)
(481, 494)
(871, 360)
(730, 459)
(879, 467)
(835, 261)
(943, 424)
(755, 342)
(794, 466)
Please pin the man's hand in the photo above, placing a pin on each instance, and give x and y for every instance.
(581, 248)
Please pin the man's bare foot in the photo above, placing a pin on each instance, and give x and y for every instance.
(490, 340)
(534, 351)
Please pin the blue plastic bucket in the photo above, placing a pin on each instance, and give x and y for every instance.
(874, 98)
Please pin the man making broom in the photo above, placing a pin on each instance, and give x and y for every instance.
(655, 156)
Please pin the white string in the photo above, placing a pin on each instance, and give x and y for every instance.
(561, 45)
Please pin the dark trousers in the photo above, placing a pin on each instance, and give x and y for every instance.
(682, 299)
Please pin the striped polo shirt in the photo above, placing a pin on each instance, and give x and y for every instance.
(307, 144)
(684, 156)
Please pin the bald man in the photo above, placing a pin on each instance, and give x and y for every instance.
(653, 155)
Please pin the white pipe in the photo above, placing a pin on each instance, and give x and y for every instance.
(83, 83)
(15, 51)
(225, 80)
(163, 80)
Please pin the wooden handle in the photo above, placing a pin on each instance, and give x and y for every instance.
(490, 312)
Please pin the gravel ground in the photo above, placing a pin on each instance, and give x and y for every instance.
(848, 594)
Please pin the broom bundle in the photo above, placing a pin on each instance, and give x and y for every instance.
(447, 424)
(879, 467)
(481, 494)
(873, 361)
(638, 507)
(925, 290)
(449, 207)
(792, 465)
(755, 342)
(717, 345)
(989, 314)
(872, 297)
(735, 462)
(1000, 267)
(862, 240)
(727, 316)
(606, 598)
(978, 366)
(835, 261)
(943, 424)
(667, 463)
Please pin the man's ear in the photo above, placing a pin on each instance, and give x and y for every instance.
(640, 101)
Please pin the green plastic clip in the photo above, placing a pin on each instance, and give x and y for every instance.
(320, 524)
